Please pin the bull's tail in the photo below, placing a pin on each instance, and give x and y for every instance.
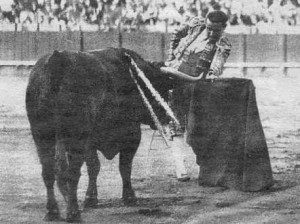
(44, 82)
(56, 66)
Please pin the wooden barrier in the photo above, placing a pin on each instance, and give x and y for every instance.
(227, 65)
(241, 65)
(152, 46)
(149, 45)
(248, 51)
(98, 40)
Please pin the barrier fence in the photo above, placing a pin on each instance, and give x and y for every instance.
(257, 50)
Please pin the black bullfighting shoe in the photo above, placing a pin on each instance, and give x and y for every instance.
(183, 178)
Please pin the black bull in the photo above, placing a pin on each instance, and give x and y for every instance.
(78, 103)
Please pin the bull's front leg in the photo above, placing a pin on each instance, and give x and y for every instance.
(125, 166)
(93, 168)
(75, 158)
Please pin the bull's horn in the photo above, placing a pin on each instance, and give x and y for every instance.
(172, 72)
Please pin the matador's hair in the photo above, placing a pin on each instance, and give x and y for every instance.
(217, 16)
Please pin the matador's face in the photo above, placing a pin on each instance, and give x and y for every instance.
(214, 31)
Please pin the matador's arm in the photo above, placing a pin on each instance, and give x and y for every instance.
(222, 53)
(176, 36)
(182, 32)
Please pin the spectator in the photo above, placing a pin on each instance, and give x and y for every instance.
(235, 12)
(170, 14)
(289, 13)
(275, 12)
(7, 11)
(132, 14)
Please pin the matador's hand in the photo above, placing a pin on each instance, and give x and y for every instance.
(215, 72)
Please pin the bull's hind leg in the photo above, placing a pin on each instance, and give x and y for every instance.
(126, 158)
(93, 168)
(125, 166)
(75, 157)
(45, 143)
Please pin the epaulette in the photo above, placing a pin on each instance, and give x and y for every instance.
(196, 21)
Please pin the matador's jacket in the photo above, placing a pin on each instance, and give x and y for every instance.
(192, 53)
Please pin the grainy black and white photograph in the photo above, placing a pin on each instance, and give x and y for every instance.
(150, 111)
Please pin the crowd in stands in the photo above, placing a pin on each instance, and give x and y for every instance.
(152, 15)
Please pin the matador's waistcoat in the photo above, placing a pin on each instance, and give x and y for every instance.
(191, 53)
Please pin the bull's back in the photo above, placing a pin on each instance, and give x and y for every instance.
(84, 91)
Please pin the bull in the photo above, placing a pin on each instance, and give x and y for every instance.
(81, 102)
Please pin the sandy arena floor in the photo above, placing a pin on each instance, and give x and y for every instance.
(23, 196)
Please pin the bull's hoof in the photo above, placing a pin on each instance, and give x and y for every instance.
(90, 203)
(52, 217)
(200, 182)
(130, 201)
(74, 217)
